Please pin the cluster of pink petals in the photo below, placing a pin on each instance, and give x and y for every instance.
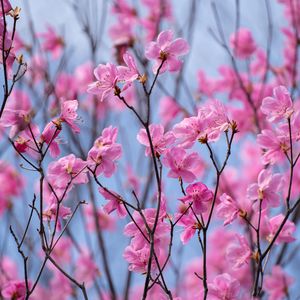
(184, 166)
(165, 52)
(242, 43)
(108, 76)
(115, 202)
(278, 107)
(266, 189)
(210, 122)
(66, 171)
(137, 253)
(190, 225)
(160, 140)
(275, 144)
(17, 113)
(199, 195)
(102, 156)
(227, 209)
(286, 233)
(277, 283)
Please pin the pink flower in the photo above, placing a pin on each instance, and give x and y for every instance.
(168, 50)
(210, 122)
(168, 110)
(138, 239)
(51, 212)
(105, 152)
(115, 203)
(69, 115)
(224, 287)
(107, 77)
(188, 131)
(199, 195)
(182, 165)
(160, 140)
(266, 189)
(239, 253)
(278, 107)
(14, 290)
(190, 225)
(17, 113)
(49, 135)
(242, 43)
(66, 170)
(227, 209)
(137, 259)
(285, 235)
(52, 42)
(277, 283)
(83, 75)
(128, 73)
(274, 144)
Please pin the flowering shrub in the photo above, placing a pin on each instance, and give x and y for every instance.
(135, 179)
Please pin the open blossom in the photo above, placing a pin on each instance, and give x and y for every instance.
(190, 225)
(105, 152)
(227, 209)
(183, 165)
(160, 140)
(69, 114)
(198, 194)
(52, 42)
(66, 169)
(266, 189)
(286, 233)
(107, 77)
(210, 122)
(115, 203)
(137, 259)
(128, 73)
(138, 239)
(277, 283)
(279, 106)
(242, 43)
(17, 113)
(168, 50)
(224, 287)
(274, 144)
(238, 253)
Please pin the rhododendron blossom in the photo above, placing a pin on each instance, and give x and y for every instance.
(278, 107)
(165, 52)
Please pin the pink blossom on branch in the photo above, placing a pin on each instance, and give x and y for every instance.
(266, 189)
(278, 107)
(168, 50)
(184, 166)
(160, 140)
(199, 195)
